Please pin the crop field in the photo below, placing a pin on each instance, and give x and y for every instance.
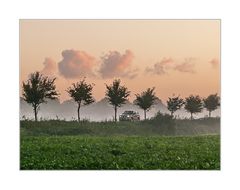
(61, 145)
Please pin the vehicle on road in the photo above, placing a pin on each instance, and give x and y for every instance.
(129, 116)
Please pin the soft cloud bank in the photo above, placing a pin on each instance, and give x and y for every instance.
(187, 66)
(76, 64)
(116, 65)
(161, 67)
(50, 67)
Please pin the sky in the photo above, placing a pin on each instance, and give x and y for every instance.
(180, 57)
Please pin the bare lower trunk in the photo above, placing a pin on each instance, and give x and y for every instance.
(115, 116)
(191, 116)
(172, 113)
(78, 110)
(145, 114)
(35, 112)
(209, 113)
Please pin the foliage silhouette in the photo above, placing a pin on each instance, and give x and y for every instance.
(211, 103)
(174, 104)
(193, 104)
(146, 100)
(37, 89)
(116, 95)
(81, 92)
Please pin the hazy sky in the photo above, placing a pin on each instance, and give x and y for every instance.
(175, 56)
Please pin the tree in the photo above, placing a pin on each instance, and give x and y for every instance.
(81, 92)
(37, 89)
(193, 104)
(211, 103)
(145, 100)
(174, 104)
(116, 95)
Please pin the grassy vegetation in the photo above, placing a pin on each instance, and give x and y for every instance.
(124, 145)
(83, 152)
(142, 128)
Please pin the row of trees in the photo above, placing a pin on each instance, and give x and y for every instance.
(194, 104)
(38, 88)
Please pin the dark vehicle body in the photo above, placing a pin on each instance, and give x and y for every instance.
(129, 116)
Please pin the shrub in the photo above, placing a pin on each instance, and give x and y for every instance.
(163, 119)
(163, 123)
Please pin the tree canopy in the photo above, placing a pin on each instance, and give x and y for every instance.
(211, 103)
(116, 95)
(174, 104)
(37, 89)
(81, 92)
(193, 104)
(146, 100)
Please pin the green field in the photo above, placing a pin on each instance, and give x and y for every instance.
(184, 145)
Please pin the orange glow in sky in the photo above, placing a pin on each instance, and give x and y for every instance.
(175, 56)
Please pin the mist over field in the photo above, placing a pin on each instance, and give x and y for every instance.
(79, 94)
(98, 111)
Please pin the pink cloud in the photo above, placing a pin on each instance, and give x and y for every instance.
(187, 66)
(76, 64)
(50, 67)
(161, 67)
(115, 64)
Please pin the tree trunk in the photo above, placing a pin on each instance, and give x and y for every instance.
(78, 110)
(191, 116)
(145, 115)
(35, 112)
(115, 115)
(209, 113)
(171, 113)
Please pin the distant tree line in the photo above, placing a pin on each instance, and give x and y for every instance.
(38, 88)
